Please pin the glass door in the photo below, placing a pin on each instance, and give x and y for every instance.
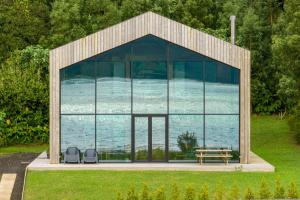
(149, 138)
(141, 147)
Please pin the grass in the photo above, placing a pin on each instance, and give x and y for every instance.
(271, 139)
(30, 148)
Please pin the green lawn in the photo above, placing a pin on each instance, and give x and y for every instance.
(30, 148)
(270, 139)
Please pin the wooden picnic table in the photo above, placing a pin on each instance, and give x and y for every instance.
(224, 154)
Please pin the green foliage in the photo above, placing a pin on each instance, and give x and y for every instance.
(119, 196)
(234, 193)
(131, 194)
(292, 191)
(160, 194)
(74, 19)
(279, 192)
(3, 139)
(287, 92)
(204, 193)
(22, 23)
(24, 78)
(264, 191)
(175, 195)
(249, 195)
(145, 193)
(187, 142)
(189, 193)
(219, 192)
(294, 123)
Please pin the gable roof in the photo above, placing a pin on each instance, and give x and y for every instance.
(142, 25)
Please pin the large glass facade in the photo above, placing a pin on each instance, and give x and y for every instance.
(149, 100)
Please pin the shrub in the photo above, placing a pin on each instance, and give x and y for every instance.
(24, 90)
(249, 195)
(131, 195)
(292, 192)
(160, 194)
(186, 142)
(279, 190)
(219, 195)
(175, 192)
(204, 194)
(234, 193)
(264, 192)
(119, 196)
(189, 193)
(294, 123)
(145, 193)
(3, 139)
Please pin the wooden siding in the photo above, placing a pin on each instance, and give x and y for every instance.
(164, 28)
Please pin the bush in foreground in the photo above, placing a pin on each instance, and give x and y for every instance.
(203, 193)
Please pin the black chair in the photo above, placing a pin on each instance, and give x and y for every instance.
(72, 155)
(90, 156)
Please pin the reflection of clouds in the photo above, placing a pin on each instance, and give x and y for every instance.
(149, 96)
(114, 132)
(221, 98)
(77, 131)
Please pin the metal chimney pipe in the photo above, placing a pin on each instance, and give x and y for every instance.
(232, 25)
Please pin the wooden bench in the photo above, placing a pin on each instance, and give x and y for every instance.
(224, 154)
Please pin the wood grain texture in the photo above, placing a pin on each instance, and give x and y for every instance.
(164, 28)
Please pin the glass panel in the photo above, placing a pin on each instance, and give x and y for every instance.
(158, 138)
(113, 88)
(149, 48)
(186, 88)
(78, 88)
(222, 131)
(77, 131)
(119, 54)
(221, 89)
(149, 87)
(141, 138)
(185, 133)
(114, 137)
(178, 53)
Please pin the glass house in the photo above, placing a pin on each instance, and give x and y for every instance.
(136, 94)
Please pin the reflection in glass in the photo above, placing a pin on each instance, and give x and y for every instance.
(222, 131)
(141, 138)
(186, 88)
(158, 138)
(133, 79)
(221, 89)
(149, 48)
(149, 87)
(114, 137)
(78, 88)
(185, 133)
(113, 88)
(77, 131)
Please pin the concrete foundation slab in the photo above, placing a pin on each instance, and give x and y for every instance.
(256, 164)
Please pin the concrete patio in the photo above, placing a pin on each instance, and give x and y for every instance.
(256, 164)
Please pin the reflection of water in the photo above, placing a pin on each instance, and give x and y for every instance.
(149, 96)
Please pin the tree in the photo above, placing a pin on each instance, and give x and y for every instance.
(264, 191)
(24, 78)
(187, 142)
(198, 13)
(22, 23)
(74, 19)
(286, 54)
